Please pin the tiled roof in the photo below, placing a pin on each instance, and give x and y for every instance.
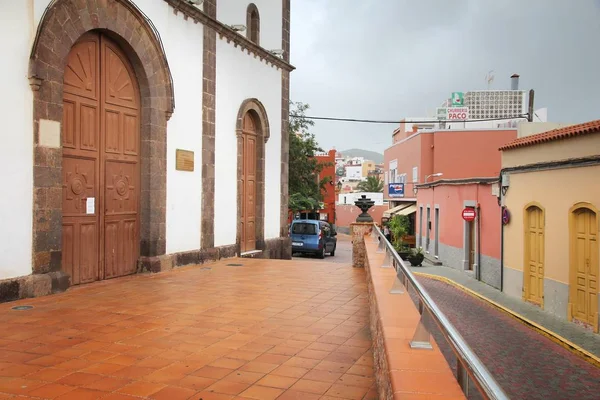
(555, 134)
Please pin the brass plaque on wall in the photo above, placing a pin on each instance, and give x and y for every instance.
(184, 160)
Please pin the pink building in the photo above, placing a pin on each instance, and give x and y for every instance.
(443, 172)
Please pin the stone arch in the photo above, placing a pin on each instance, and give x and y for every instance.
(259, 115)
(62, 24)
(253, 23)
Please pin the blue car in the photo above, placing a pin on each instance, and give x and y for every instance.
(313, 237)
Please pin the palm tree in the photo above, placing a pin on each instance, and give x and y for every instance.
(372, 185)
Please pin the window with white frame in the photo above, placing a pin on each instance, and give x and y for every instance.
(401, 178)
(415, 172)
(393, 176)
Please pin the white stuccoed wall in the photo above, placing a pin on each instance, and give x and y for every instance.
(183, 43)
(239, 77)
(233, 12)
(16, 139)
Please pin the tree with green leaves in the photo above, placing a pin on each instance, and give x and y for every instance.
(304, 184)
(372, 185)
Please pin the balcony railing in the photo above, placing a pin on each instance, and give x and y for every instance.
(469, 369)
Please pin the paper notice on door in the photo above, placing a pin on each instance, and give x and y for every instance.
(90, 205)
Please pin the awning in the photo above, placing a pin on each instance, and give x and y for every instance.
(392, 211)
(408, 210)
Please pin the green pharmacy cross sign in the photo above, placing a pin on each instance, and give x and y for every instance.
(458, 99)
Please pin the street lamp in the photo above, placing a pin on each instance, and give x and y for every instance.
(432, 176)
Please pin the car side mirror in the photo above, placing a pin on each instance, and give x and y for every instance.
(334, 233)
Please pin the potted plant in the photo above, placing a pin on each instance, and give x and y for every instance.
(399, 225)
(416, 257)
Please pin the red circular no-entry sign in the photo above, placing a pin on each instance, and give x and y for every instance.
(469, 214)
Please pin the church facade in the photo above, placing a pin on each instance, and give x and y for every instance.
(140, 135)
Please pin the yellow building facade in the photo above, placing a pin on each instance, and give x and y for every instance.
(550, 190)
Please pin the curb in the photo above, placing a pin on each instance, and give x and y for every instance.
(556, 338)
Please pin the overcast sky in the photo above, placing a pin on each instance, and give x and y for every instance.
(390, 59)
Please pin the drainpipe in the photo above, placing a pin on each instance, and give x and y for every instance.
(478, 237)
(501, 236)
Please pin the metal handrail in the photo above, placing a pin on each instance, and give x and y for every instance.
(468, 364)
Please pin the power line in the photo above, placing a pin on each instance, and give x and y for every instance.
(433, 121)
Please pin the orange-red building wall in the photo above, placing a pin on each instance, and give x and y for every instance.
(328, 192)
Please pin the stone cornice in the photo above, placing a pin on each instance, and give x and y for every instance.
(229, 34)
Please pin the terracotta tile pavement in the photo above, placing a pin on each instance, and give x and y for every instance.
(266, 330)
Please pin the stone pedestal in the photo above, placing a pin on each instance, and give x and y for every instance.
(359, 251)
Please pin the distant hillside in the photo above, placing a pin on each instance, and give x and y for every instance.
(377, 158)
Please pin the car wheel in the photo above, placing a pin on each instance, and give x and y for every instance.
(333, 251)
(321, 254)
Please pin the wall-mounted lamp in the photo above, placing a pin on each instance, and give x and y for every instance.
(433, 176)
(238, 28)
(415, 190)
(277, 53)
(505, 183)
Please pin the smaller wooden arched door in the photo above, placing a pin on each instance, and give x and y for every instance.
(534, 255)
(248, 184)
(584, 266)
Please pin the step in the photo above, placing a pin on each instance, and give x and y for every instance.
(251, 254)
(431, 259)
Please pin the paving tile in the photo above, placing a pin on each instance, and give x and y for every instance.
(50, 391)
(213, 372)
(195, 382)
(141, 388)
(226, 362)
(261, 393)
(323, 376)
(228, 387)
(291, 372)
(256, 366)
(296, 395)
(173, 393)
(347, 392)
(82, 394)
(309, 386)
(244, 376)
(280, 382)
(204, 395)
(107, 384)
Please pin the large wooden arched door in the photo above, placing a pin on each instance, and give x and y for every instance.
(534, 255)
(584, 266)
(100, 164)
(249, 171)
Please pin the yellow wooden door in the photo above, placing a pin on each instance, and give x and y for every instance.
(534, 255)
(585, 267)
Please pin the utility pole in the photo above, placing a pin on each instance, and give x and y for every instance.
(530, 111)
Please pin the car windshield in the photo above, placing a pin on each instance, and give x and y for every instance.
(302, 228)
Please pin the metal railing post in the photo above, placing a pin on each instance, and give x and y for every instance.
(462, 377)
(381, 246)
(386, 261)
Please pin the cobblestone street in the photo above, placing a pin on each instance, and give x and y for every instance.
(526, 364)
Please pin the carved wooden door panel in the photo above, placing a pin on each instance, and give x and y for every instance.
(120, 155)
(100, 141)
(248, 222)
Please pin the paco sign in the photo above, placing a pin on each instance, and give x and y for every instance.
(469, 214)
(458, 113)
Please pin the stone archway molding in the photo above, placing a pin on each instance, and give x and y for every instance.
(62, 24)
(260, 112)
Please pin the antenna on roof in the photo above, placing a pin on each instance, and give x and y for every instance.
(489, 78)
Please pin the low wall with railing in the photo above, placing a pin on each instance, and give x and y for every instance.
(401, 371)
(408, 362)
